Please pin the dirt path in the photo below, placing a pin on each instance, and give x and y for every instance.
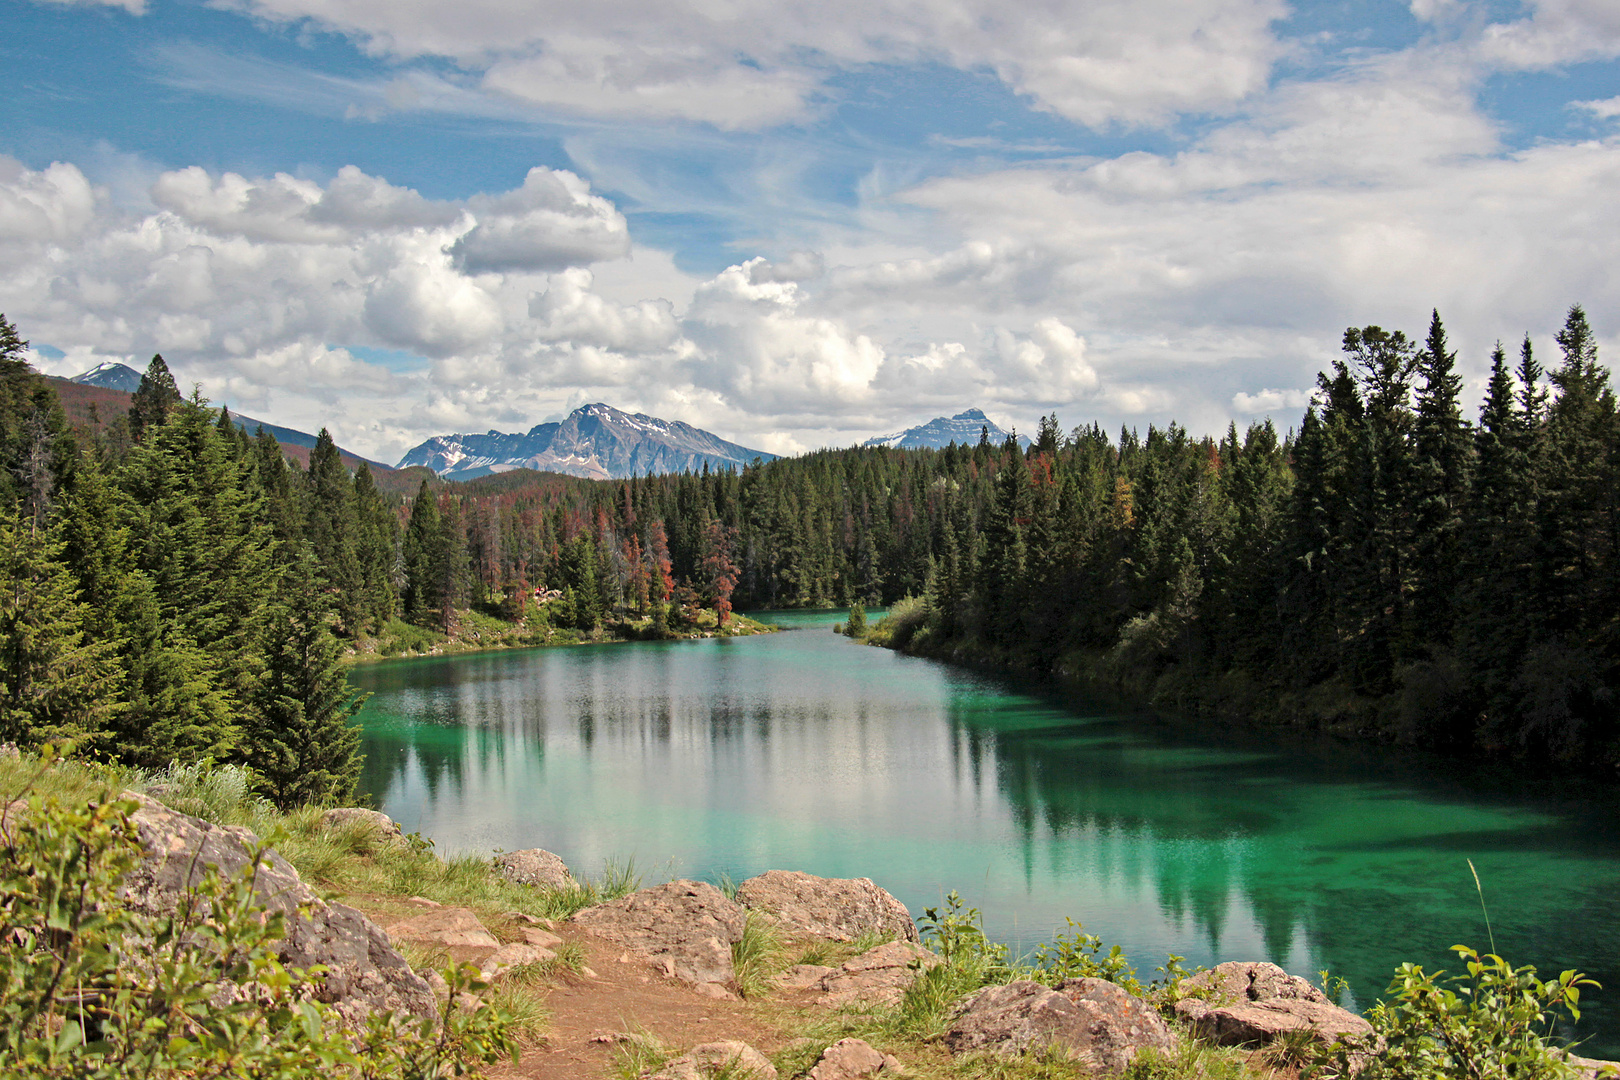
(628, 995)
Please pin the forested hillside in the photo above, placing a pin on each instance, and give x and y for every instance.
(1391, 567)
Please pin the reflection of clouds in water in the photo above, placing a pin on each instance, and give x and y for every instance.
(804, 751)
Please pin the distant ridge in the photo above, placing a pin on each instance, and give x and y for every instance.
(596, 441)
(963, 429)
(110, 375)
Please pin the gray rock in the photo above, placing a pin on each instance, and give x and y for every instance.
(878, 976)
(1241, 1003)
(534, 866)
(1089, 1020)
(686, 928)
(511, 956)
(853, 1059)
(702, 1062)
(456, 930)
(364, 974)
(345, 815)
(835, 909)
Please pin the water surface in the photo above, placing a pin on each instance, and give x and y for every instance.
(805, 751)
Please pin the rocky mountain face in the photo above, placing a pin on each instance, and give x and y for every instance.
(596, 441)
(963, 429)
(111, 375)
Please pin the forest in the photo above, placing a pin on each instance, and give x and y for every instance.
(177, 590)
(1391, 568)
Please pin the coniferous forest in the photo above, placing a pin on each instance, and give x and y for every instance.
(1398, 566)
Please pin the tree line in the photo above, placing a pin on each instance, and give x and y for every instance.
(1391, 566)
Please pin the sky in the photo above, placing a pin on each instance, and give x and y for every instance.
(797, 223)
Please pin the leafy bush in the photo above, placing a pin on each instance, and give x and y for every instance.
(91, 989)
(1075, 955)
(1494, 1022)
(896, 629)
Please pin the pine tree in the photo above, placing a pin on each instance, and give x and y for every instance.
(331, 528)
(376, 548)
(55, 683)
(424, 537)
(299, 741)
(152, 401)
(1440, 482)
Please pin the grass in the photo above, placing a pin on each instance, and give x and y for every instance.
(758, 956)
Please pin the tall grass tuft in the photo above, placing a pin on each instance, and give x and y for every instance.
(757, 956)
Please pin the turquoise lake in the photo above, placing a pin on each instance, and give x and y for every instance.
(804, 751)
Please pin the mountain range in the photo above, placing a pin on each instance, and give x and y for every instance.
(594, 441)
(964, 429)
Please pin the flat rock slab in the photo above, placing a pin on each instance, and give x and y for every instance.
(511, 956)
(534, 866)
(1241, 1003)
(853, 1059)
(686, 928)
(1091, 1021)
(364, 973)
(833, 909)
(457, 930)
(703, 1062)
(878, 976)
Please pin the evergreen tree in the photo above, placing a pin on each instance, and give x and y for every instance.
(331, 528)
(1440, 481)
(55, 682)
(376, 548)
(422, 556)
(299, 743)
(152, 401)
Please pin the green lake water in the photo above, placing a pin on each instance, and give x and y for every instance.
(804, 751)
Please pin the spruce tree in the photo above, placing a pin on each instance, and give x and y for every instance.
(152, 401)
(1440, 482)
(424, 538)
(299, 741)
(376, 548)
(55, 681)
(331, 528)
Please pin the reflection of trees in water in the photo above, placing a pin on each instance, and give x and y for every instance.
(1222, 834)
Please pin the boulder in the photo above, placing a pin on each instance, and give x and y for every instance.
(686, 928)
(876, 977)
(1091, 1021)
(513, 955)
(345, 815)
(457, 930)
(853, 1059)
(545, 939)
(534, 866)
(703, 1062)
(1592, 1068)
(1240, 1003)
(834, 909)
(363, 972)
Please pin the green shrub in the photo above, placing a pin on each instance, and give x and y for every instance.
(92, 989)
(1494, 1022)
(1078, 955)
(896, 629)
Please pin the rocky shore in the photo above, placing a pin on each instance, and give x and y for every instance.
(657, 978)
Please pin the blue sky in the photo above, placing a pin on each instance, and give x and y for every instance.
(796, 224)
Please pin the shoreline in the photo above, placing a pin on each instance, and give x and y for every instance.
(511, 636)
